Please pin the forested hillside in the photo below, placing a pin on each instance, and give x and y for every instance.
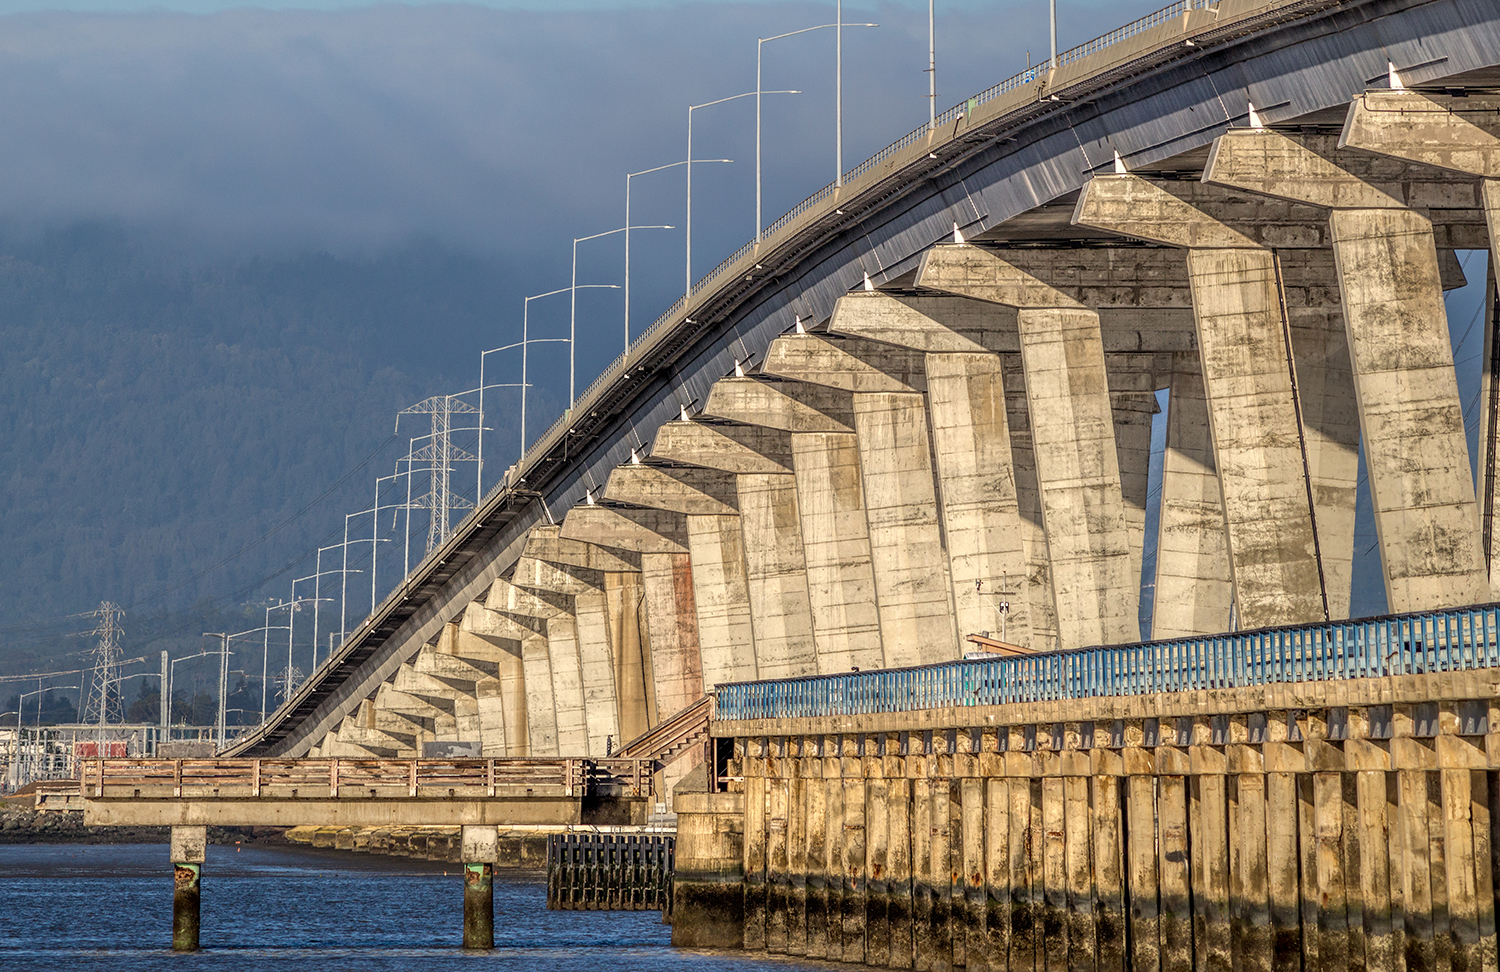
(161, 410)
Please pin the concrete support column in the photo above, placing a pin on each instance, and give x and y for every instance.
(1459, 134)
(721, 583)
(971, 442)
(1193, 586)
(1389, 279)
(189, 850)
(529, 613)
(708, 891)
(1072, 438)
(818, 423)
(479, 847)
(675, 673)
(562, 649)
(910, 562)
(1259, 449)
(485, 643)
(591, 565)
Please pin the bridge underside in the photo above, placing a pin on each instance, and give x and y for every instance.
(931, 418)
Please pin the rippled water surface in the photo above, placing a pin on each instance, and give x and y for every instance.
(66, 907)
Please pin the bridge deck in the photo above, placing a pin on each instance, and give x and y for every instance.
(354, 792)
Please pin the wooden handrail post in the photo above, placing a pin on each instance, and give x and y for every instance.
(412, 785)
(255, 777)
(333, 777)
(177, 777)
(489, 776)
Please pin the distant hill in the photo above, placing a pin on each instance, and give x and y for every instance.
(161, 410)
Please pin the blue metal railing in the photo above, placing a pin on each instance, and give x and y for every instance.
(1409, 644)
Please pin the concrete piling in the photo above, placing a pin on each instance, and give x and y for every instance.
(189, 848)
(479, 848)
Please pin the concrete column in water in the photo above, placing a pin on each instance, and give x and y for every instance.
(912, 588)
(479, 847)
(1460, 134)
(975, 469)
(1259, 450)
(721, 587)
(1412, 420)
(189, 849)
(1073, 439)
(830, 505)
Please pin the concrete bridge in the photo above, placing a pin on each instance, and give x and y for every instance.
(931, 387)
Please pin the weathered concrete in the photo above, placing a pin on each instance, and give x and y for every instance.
(188, 851)
(1194, 590)
(1259, 450)
(818, 421)
(912, 589)
(478, 850)
(562, 647)
(776, 570)
(1073, 441)
(709, 899)
(507, 600)
(1234, 837)
(1410, 413)
(721, 587)
(971, 443)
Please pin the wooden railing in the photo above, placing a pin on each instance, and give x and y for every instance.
(339, 778)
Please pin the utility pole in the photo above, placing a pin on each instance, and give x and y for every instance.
(101, 708)
(223, 637)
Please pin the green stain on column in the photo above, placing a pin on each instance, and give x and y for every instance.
(185, 898)
(479, 905)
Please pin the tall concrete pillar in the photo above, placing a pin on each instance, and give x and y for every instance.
(603, 699)
(1459, 134)
(819, 422)
(971, 440)
(1072, 428)
(721, 586)
(495, 657)
(661, 538)
(1389, 279)
(1259, 448)
(562, 648)
(1193, 591)
(912, 589)
(528, 613)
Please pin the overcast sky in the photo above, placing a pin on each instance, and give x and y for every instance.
(506, 129)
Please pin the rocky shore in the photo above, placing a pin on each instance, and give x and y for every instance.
(517, 849)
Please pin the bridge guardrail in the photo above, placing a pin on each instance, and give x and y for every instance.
(341, 778)
(1412, 644)
(542, 443)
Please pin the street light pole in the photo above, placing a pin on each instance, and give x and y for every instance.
(573, 296)
(759, 43)
(479, 474)
(628, 177)
(1052, 7)
(932, 69)
(688, 289)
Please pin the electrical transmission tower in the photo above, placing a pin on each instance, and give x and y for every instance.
(440, 454)
(102, 706)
